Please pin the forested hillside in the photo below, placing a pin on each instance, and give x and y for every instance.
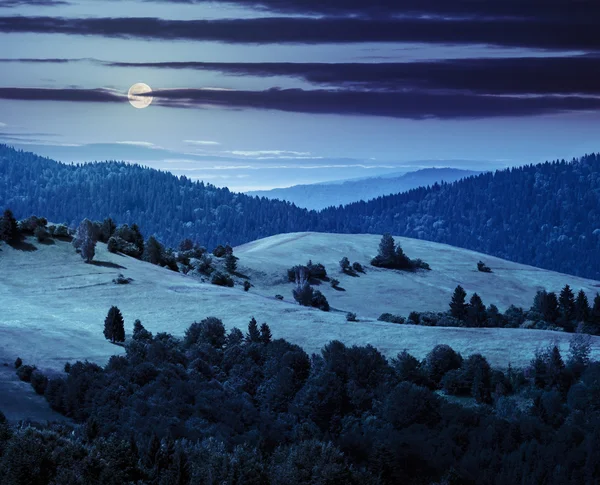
(170, 207)
(545, 215)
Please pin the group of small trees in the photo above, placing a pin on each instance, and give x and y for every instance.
(314, 272)
(392, 256)
(305, 294)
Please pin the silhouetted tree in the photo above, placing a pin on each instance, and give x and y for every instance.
(231, 263)
(582, 307)
(566, 303)
(114, 325)
(8, 227)
(153, 251)
(458, 305)
(253, 334)
(265, 333)
(476, 313)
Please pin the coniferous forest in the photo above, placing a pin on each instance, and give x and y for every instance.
(545, 215)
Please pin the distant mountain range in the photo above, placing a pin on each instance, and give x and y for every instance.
(546, 215)
(320, 196)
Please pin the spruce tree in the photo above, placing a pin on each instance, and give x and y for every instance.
(566, 303)
(9, 230)
(231, 263)
(476, 312)
(153, 251)
(458, 306)
(549, 306)
(265, 333)
(253, 335)
(387, 248)
(582, 307)
(114, 326)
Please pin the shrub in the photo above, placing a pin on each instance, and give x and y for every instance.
(219, 251)
(209, 331)
(441, 360)
(204, 265)
(279, 297)
(481, 266)
(39, 382)
(41, 234)
(414, 318)
(61, 232)
(351, 317)
(18, 363)
(319, 301)
(356, 266)
(335, 283)
(345, 264)
(221, 279)
(121, 280)
(24, 372)
(388, 317)
(247, 285)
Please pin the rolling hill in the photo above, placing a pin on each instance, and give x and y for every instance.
(54, 304)
(320, 196)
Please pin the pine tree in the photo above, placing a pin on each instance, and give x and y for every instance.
(265, 334)
(458, 306)
(138, 239)
(566, 303)
(9, 230)
(476, 312)
(582, 307)
(114, 326)
(387, 247)
(231, 263)
(153, 251)
(345, 264)
(549, 307)
(85, 240)
(253, 335)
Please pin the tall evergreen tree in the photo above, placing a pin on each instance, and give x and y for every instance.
(153, 251)
(458, 305)
(582, 307)
(549, 307)
(387, 247)
(231, 263)
(595, 316)
(265, 333)
(9, 230)
(566, 304)
(114, 325)
(476, 312)
(253, 335)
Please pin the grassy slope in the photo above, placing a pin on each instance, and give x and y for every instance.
(53, 305)
(381, 290)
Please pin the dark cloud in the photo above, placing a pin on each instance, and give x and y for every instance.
(410, 105)
(581, 34)
(33, 3)
(69, 94)
(542, 75)
(523, 9)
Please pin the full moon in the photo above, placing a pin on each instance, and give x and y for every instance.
(135, 99)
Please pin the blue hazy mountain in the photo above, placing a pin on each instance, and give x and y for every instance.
(319, 196)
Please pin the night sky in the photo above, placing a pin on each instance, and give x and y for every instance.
(255, 95)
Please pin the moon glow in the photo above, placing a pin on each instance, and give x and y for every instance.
(135, 99)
